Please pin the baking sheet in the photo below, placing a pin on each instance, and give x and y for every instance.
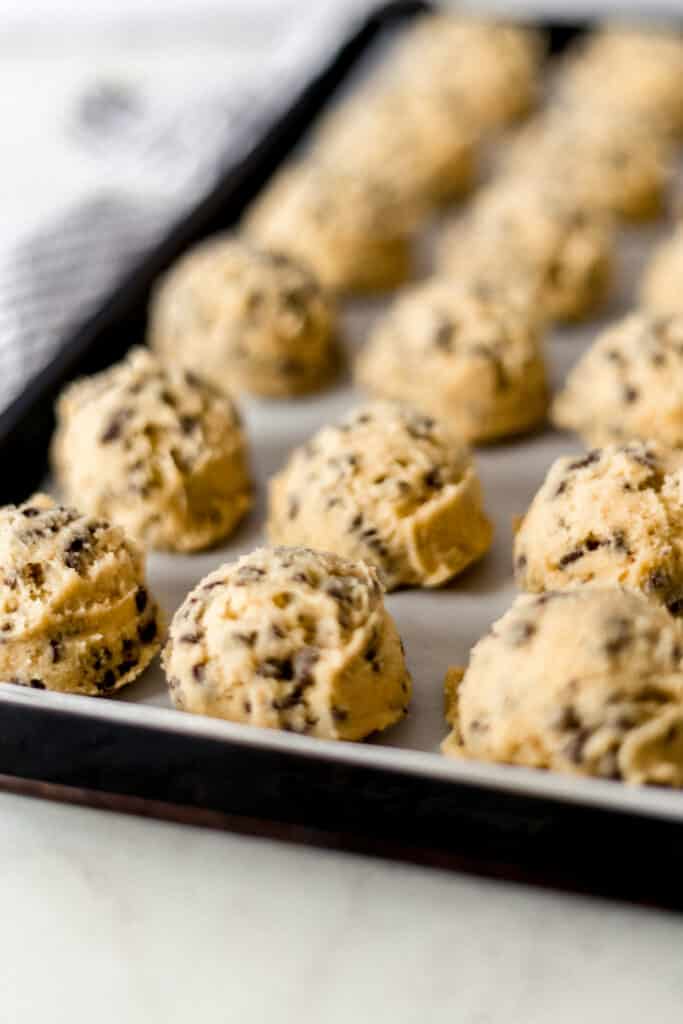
(440, 626)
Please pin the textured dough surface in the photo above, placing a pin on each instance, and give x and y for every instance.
(661, 290)
(471, 356)
(586, 681)
(490, 71)
(353, 232)
(639, 70)
(413, 143)
(75, 612)
(612, 516)
(250, 319)
(387, 485)
(539, 238)
(605, 157)
(629, 384)
(288, 638)
(156, 449)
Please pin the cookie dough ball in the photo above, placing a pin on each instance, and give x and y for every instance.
(552, 242)
(389, 486)
(613, 516)
(252, 320)
(661, 289)
(605, 156)
(156, 449)
(352, 231)
(423, 148)
(75, 612)
(471, 357)
(291, 639)
(629, 384)
(586, 681)
(489, 68)
(640, 70)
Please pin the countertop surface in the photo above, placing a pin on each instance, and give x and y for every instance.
(119, 919)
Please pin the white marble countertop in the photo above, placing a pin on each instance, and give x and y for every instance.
(128, 921)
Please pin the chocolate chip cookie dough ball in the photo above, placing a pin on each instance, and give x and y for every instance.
(288, 638)
(661, 289)
(422, 148)
(493, 67)
(156, 449)
(640, 70)
(550, 241)
(353, 232)
(608, 158)
(389, 486)
(249, 319)
(471, 357)
(585, 681)
(612, 516)
(629, 384)
(75, 612)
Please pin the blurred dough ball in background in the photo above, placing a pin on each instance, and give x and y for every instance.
(472, 357)
(351, 231)
(252, 320)
(536, 233)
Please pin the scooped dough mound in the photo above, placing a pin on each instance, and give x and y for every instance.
(471, 356)
(288, 638)
(387, 485)
(156, 449)
(629, 384)
(75, 612)
(538, 235)
(612, 516)
(352, 231)
(250, 319)
(587, 681)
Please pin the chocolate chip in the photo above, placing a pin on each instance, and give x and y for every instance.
(73, 554)
(37, 684)
(124, 667)
(560, 489)
(303, 662)
(30, 511)
(631, 394)
(190, 638)
(433, 478)
(56, 649)
(107, 681)
(188, 423)
(199, 671)
(571, 556)
(521, 633)
(589, 459)
(114, 428)
(147, 631)
(141, 599)
(248, 639)
(277, 668)
(339, 714)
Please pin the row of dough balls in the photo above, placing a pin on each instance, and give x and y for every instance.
(586, 680)
(584, 673)
(286, 638)
(161, 452)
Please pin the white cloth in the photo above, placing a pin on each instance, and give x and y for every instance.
(159, 150)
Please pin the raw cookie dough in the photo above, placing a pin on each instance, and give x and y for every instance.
(489, 68)
(662, 286)
(288, 638)
(606, 157)
(524, 232)
(640, 70)
(387, 485)
(614, 515)
(75, 612)
(586, 681)
(629, 384)
(156, 449)
(352, 231)
(418, 146)
(470, 356)
(251, 320)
